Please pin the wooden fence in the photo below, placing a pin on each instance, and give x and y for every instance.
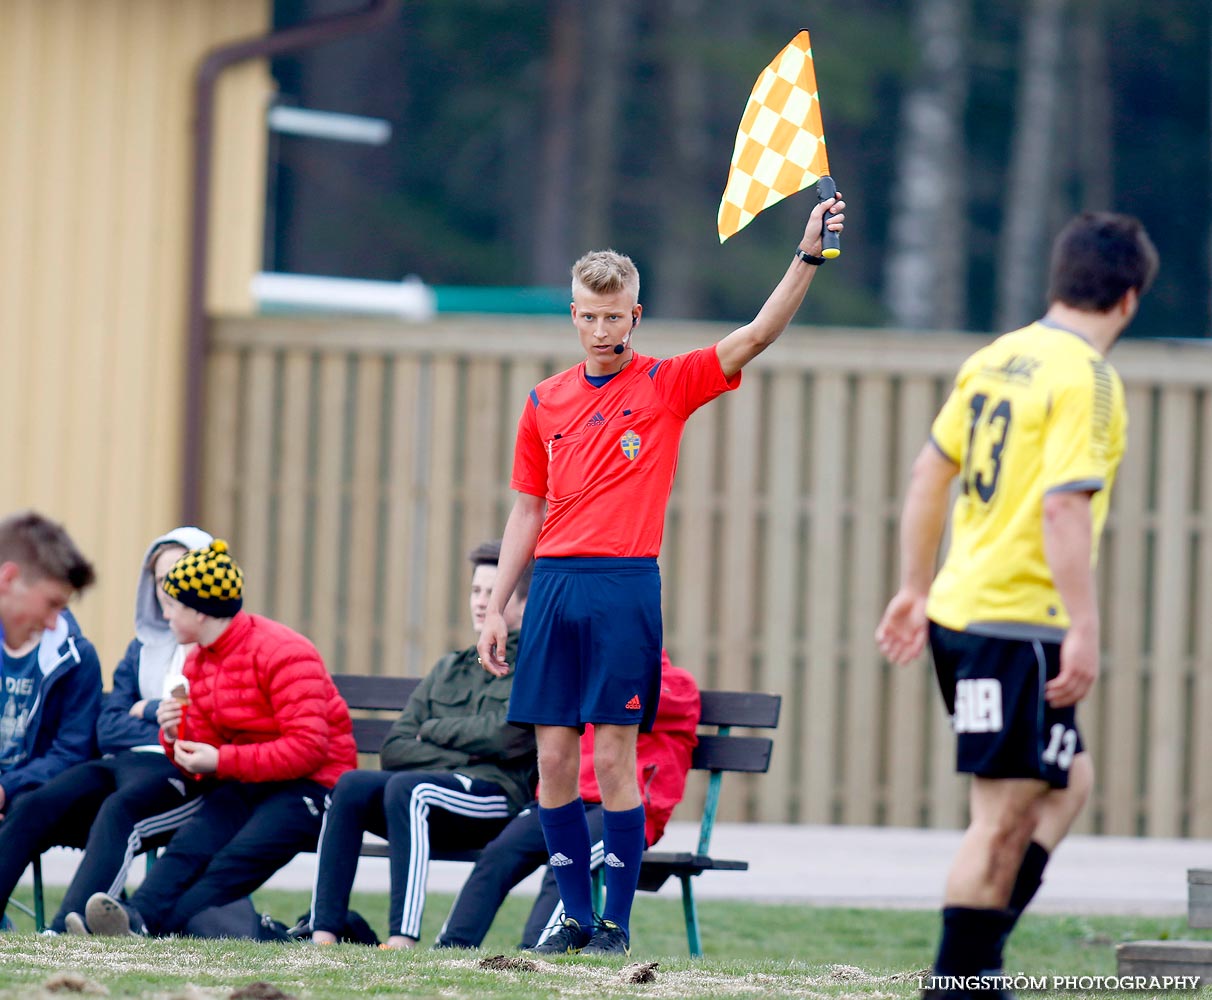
(353, 464)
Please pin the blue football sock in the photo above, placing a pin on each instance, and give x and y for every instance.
(567, 834)
(623, 844)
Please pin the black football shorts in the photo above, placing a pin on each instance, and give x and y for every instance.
(994, 691)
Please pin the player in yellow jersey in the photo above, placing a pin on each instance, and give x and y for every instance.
(1034, 429)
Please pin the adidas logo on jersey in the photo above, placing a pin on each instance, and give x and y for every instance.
(614, 862)
(558, 860)
(596, 420)
(634, 704)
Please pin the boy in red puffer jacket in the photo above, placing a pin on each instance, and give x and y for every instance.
(258, 718)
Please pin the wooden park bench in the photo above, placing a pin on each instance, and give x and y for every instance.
(717, 752)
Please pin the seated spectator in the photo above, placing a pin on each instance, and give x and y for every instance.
(662, 761)
(454, 772)
(113, 806)
(50, 677)
(261, 724)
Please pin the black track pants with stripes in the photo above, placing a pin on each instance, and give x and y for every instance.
(419, 813)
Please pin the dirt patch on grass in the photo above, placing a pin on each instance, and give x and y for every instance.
(641, 972)
(74, 983)
(503, 963)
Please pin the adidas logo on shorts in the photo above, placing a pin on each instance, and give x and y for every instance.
(613, 861)
(558, 860)
(634, 704)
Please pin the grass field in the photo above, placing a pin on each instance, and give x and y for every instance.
(752, 951)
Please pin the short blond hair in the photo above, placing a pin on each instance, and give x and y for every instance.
(605, 272)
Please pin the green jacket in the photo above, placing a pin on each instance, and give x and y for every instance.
(455, 722)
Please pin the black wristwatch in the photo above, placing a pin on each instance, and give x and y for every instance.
(807, 258)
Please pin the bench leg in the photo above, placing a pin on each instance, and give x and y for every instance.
(17, 905)
(692, 918)
(39, 904)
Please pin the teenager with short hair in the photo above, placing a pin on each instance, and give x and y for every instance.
(454, 773)
(594, 460)
(133, 795)
(1034, 428)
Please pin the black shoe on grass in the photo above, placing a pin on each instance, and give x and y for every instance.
(608, 939)
(568, 940)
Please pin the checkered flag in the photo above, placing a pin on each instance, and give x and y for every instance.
(780, 144)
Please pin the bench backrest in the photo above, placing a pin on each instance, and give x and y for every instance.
(362, 693)
(716, 752)
(722, 751)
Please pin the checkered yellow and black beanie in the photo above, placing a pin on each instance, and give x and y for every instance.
(207, 580)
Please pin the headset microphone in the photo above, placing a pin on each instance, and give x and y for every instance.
(620, 348)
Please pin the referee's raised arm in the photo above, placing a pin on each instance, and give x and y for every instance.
(747, 342)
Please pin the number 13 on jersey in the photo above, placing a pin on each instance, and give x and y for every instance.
(988, 429)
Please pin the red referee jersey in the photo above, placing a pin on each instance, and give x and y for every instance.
(604, 458)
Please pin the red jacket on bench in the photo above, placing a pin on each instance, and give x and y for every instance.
(662, 756)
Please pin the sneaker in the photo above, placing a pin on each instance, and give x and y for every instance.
(568, 940)
(608, 939)
(75, 925)
(106, 917)
(301, 930)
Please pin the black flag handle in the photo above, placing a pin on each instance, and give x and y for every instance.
(831, 242)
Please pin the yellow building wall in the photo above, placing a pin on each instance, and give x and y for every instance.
(96, 100)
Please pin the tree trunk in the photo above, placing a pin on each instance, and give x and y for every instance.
(1095, 148)
(556, 168)
(1025, 240)
(926, 275)
(684, 224)
(601, 142)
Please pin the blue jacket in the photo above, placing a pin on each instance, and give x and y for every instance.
(117, 729)
(60, 729)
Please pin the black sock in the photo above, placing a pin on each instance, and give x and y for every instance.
(972, 941)
(1030, 877)
(1026, 884)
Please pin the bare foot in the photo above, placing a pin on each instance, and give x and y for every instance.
(397, 942)
(323, 937)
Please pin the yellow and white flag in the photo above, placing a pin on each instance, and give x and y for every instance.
(780, 144)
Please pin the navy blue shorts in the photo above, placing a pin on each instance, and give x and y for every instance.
(994, 691)
(590, 649)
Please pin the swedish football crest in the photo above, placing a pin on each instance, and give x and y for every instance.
(630, 443)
